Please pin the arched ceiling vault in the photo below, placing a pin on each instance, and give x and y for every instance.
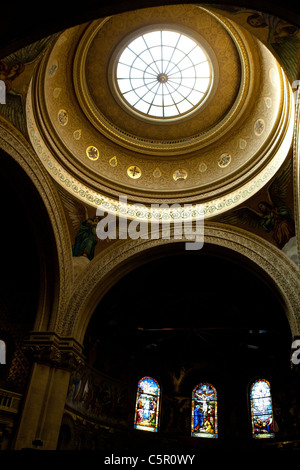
(214, 159)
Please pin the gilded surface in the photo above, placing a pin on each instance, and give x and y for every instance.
(231, 153)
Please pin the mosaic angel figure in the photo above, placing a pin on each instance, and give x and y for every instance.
(86, 238)
(272, 216)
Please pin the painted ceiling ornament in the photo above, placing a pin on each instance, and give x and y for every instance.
(92, 152)
(273, 76)
(113, 161)
(77, 134)
(134, 172)
(52, 69)
(202, 167)
(259, 127)
(180, 174)
(63, 117)
(56, 92)
(242, 143)
(268, 102)
(224, 160)
(157, 173)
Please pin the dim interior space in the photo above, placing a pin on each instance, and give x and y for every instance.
(150, 168)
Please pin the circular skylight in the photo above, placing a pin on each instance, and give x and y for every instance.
(163, 74)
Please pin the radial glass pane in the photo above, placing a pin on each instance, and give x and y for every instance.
(142, 106)
(123, 71)
(171, 111)
(156, 111)
(124, 85)
(197, 55)
(131, 97)
(138, 85)
(138, 45)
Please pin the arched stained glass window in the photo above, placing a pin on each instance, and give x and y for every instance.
(2, 352)
(147, 405)
(204, 411)
(261, 409)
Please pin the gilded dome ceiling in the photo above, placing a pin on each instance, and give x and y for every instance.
(216, 156)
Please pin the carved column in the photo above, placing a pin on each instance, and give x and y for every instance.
(53, 360)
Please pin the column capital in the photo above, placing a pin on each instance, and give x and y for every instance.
(55, 351)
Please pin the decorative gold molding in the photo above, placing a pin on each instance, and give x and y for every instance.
(151, 145)
(233, 193)
(91, 285)
(98, 181)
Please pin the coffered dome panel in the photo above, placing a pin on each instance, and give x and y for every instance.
(97, 147)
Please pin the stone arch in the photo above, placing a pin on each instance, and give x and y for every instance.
(49, 211)
(92, 284)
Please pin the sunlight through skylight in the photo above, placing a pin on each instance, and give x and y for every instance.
(163, 74)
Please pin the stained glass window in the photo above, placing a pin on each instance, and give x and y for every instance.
(204, 411)
(261, 409)
(147, 405)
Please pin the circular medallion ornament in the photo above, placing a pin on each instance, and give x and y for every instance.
(134, 172)
(92, 152)
(202, 167)
(259, 127)
(62, 117)
(180, 174)
(224, 160)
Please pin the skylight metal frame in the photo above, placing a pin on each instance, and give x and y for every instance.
(160, 80)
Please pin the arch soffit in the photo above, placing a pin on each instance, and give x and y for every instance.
(104, 271)
(16, 146)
